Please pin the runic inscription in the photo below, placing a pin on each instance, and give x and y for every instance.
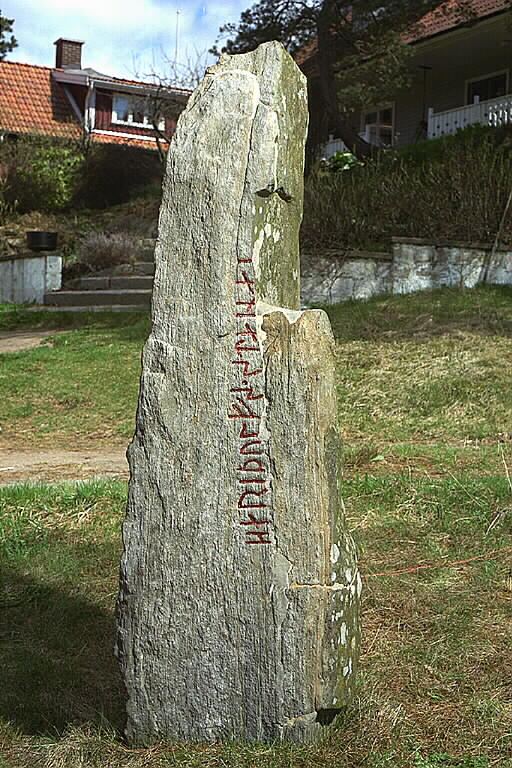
(247, 409)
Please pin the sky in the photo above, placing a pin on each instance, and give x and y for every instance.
(125, 38)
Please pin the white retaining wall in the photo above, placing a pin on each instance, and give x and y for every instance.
(337, 277)
(413, 265)
(420, 266)
(26, 277)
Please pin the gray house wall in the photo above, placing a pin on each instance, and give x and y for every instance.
(441, 67)
(454, 58)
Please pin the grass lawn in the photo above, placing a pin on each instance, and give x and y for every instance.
(79, 387)
(425, 390)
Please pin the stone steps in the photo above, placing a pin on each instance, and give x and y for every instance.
(125, 283)
(113, 292)
(138, 297)
(91, 308)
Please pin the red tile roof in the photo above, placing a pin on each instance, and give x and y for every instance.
(34, 103)
(450, 14)
(446, 16)
(106, 138)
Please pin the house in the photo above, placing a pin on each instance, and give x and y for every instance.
(462, 68)
(71, 102)
(461, 75)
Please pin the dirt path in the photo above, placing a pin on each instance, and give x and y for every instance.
(14, 341)
(46, 465)
(55, 466)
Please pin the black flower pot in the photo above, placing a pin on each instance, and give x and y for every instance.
(41, 241)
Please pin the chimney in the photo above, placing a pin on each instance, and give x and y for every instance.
(68, 54)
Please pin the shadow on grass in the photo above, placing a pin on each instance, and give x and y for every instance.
(56, 657)
(18, 316)
(485, 309)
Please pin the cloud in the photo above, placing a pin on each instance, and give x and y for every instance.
(125, 38)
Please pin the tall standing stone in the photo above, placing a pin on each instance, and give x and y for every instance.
(239, 588)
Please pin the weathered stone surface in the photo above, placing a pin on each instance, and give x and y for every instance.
(239, 589)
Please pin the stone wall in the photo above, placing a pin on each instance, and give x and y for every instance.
(26, 277)
(333, 276)
(419, 265)
(337, 276)
(413, 265)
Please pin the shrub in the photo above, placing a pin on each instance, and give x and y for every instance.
(42, 173)
(49, 175)
(457, 190)
(115, 174)
(7, 210)
(99, 250)
(342, 161)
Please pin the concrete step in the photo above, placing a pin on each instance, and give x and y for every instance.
(92, 308)
(139, 297)
(121, 283)
(148, 254)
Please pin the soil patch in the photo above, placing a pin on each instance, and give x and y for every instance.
(57, 466)
(14, 341)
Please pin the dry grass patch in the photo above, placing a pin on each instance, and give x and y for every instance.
(431, 390)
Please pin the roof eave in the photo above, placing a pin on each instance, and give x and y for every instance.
(143, 89)
(69, 78)
(61, 76)
(463, 26)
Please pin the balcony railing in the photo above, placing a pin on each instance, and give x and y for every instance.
(492, 112)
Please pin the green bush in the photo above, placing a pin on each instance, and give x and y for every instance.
(455, 188)
(114, 174)
(50, 175)
(470, 139)
(42, 173)
(341, 161)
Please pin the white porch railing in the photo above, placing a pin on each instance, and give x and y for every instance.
(492, 112)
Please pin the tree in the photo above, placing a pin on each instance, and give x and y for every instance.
(164, 107)
(6, 44)
(357, 55)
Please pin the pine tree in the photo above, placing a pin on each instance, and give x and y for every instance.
(7, 44)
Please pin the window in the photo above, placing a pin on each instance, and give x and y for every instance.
(377, 126)
(133, 111)
(490, 87)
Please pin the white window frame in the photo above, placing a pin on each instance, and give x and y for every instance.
(147, 123)
(486, 76)
(390, 105)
